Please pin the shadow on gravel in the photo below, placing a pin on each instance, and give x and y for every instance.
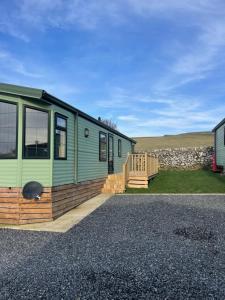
(195, 233)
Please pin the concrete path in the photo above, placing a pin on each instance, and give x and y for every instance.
(68, 220)
(131, 247)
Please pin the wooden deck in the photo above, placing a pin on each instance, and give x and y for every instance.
(139, 168)
(137, 171)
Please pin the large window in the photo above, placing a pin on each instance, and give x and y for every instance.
(36, 134)
(60, 137)
(119, 148)
(8, 130)
(102, 146)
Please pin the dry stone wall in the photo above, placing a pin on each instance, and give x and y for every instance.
(184, 158)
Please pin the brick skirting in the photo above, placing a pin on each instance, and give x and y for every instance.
(54, 202)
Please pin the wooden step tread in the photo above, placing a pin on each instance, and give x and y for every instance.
(138, 186)
(138, 177)
(138, 181)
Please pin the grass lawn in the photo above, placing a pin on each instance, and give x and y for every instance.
(172, 181)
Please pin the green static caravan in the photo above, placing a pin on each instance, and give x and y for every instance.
(47, 142)
(219, 144)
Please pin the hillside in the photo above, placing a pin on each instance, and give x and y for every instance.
(193, 139)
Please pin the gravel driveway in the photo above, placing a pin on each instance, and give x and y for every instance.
(132, 247)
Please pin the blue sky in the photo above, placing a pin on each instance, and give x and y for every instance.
(154, 67)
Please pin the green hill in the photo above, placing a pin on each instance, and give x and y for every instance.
(192, 139)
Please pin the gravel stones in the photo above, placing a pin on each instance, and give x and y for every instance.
(132, 247)
(195, 233)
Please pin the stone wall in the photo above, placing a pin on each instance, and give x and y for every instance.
(184, 158)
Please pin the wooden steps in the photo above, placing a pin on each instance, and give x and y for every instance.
(137, 182)
(114, 184)
(139, 168)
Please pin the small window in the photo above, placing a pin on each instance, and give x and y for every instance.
(102, 146)
(8, 130)
(60, 137)
(119, 148)
(36, 134)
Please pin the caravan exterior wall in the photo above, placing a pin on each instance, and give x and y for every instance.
(68, 179)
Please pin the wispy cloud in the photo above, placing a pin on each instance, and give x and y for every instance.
(19, 71)
(173, 46)
(190, 64)
(196, 61)
(128, 118)
(40, 15)
(171, 7)
(7, 60)
(152, 115)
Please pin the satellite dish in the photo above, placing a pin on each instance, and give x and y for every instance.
(32, 190)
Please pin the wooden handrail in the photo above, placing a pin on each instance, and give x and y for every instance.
(126, 169)
(140, 164)
(146, 163)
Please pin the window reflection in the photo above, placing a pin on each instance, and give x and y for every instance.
(36, 134)
(60, 137)
(119, 148)
(8, 130)
(102, 146)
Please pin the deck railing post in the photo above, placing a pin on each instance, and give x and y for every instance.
(146, 163)
(126, 169)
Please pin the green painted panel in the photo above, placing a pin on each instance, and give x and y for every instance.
(37, 170)
(64, 170)
(89, 166)
(83, 160)
(119, 161)
(20, 90)
(9, 173)
(220, 148)
(16, 172)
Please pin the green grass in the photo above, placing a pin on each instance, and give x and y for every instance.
(172, 181)
(195, 139)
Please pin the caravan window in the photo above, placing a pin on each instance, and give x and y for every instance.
(60, 137)
(119, 148)
(8, 130)
(102, 146)
(36, 134)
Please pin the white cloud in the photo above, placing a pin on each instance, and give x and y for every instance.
(7, 60)
(169, 7)
(20, 71)
(39, 15)
(196, 59)
(151, 115)
(128, 118)
(206, 51)
(177, 115)
(162, 107)
(91, 14)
